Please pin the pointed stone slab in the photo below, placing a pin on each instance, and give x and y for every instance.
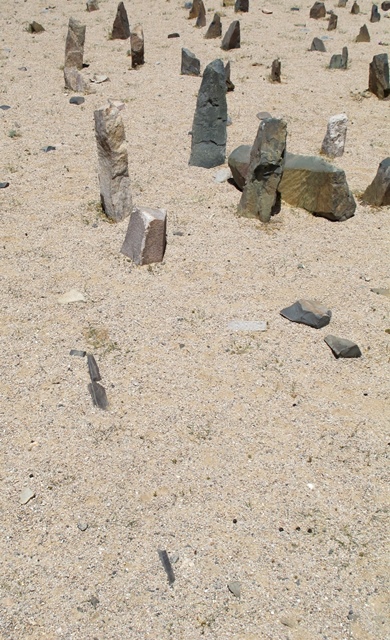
(93, 368)
(215, 28)
(309, 312)
(98, 395)
(201, 19)
(339, 61)
(343, 348)
(190, 65)
(208, 147)
(317, 45)
(378, 192)
(121, 27)
(145, 239)
(318, 11)
(378, 80)
(137, 46)
(332, 24)
(229, 83)
(334, 142)
(74, 45)
(363, 35)
(232, 37)
(355, 9)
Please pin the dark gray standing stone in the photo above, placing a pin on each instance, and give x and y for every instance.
(276, 70)
(375, 15)
(343, 348)
(378, 192)
(232, 37)
(309, 312)
(166, 563)
(98, 395)
(242, 6)
(93, 368)
(77, 353)
(339, 61)
(385, 6)
(318, 11)
(74, 46)
(229, 83)
(378, 81)
(201, 19)
(190, 65)
(77, 100)
(137, 45)
(92, 5)
(208, 147)
(332, 24)
(35, 27)
(355, 9)
(363, 35)
(238, 162)
(317, 45)
(215, 28)
(145, 239)
(261, 196)
(121, 27)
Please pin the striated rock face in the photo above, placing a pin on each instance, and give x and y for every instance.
(145, 239)
(113, 163)
(74, 46)
(137, 47)
(334, 141)
(378, 80)
(232, 37)
(378, 192)
(343, 348)
(121, 27)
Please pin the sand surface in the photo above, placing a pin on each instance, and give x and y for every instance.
(250, 457)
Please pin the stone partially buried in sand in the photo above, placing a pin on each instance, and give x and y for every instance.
(317, 45)
(377, 193)
(334, 142)
(363, 35)
(26, 495)
(317, 11)
(343, 348)
(309, 312)
(145, 239)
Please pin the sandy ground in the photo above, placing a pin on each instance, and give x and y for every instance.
(249, 457)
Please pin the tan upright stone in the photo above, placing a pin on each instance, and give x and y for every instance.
(74, 46)
(145, 239)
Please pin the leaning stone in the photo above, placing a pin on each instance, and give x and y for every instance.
(339, 61)
(238, 162)
(242, 6)
(375, 15)
(201, 19)
(145, 239)
(276, 70)
(215, 28)
(309, 312)
(114, 178)
(261, 196)
(317, 45)
(355, 9)
(317, 186)
(75, 81)
(229, 83)
(35, 27)
(332, 24)
(343, 348)
(208, 147)
(334, 141)
(378, 81)
(196, 9)
(378, 192)
(92, 5)
(137, 46)
(74, 46)
(121, 27)
(190, 65)
(318, 11)
(363, 35)
(232, 38)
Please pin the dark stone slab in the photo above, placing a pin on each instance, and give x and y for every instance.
(35, 27)
(197, 8)
(317, 45)
(201, 18)
(355, 9)
(232, 37)
(238, 162)
(98, 395)
(4, 107)
(377, 193)
(121, 27)
(339, 61)
(318, 11)
(215, 28)
(375, 15)
(385, 6)
(309, 312)
(229, 83)
(343, 348)
(190, 65)
(378, 80)
(93, 368)
(363, 35)
(174, 35)
(332, 24)
(276, 71)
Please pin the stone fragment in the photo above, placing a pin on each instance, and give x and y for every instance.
(378, 80)
(35, 27)
(4, 107)
(77, 353)
(76, 100)
(343, 348)
(48, 148)
(334, 141)
(228, 3)
(93, 368)
(190, 65)
(166, 563)
(261, 196)
(239, 164)
(197, 8)
(363, 35)
(201, 18)
(99, 78)
(355, 9)
(83, 526)
(229, 83)
(317, 45)
(145, 239)
(215, 28)
(309, 312)
(232, 37)
(26, 495)
(262, 115)
(74, 46)
(276, 70)
(381, 292)
(173, 35)
(98, 395)
(339, 61)
(247, 325)
(318, 11)
(235, 588)
(342, 3)
(377, 193)
(75, 81)
(208, 148)
(222, 175)
(121, 27)
(241, 6)
(317, 186)
(71, 296)
(92, 5)
(4, 185)
(137, 46)
(375, 15)
(385, 6)
(114, 178)
(332, 24)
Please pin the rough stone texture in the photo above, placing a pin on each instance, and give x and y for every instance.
(121, 27)
(92, 5)
(215, 28)
(378, 192)
(201, 19)
(113, 163)
(318, 11)
(332, 24)
(241, 5)
(190, 65)
(334, 141)
(232, 37)
(35, 27)
(276, 70)
(261, 197)
(355, 9)
(363, 35)
(145, 239)
(208, 147)
(229, 83)
(197, 8)
(339, 61)
(375, 15)
(75, 81)
(343, 348)
(74, 46)
(317, 186)
(98, 395)
(385, 6)
(309, 312)
(238, 162)
(137, 45)
(378, 80)
(317, 45)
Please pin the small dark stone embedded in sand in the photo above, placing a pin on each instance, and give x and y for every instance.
(309, 312)
(4, 185)
(174, 35)
(375, 15)
(343, 348)
(166, 563)
(77, 100)
(317, 45)
(276, 70)
(48, 148)
(4, 107)
(363, 35)
(378, 192)
(93, 368)
(98, 395)
(190, 64)
(77, 353)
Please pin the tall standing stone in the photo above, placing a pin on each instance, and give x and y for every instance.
(74, 46)
(332, 24)
(145, 239)
(378, 192)
(137, 46)
(114, 178)
(261, 196)
(375, 15)
(215, 28)
(241, 6)
(334, 141)
(378, 81)
(208, 147)
(317, 45)
(363, 35)
(232, 37)
(318, 11)
(276, 70)
(121, 27)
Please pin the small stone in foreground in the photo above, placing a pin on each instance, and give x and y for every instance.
(77, 100)
(309, 312)
(375, 15)
(232, 38)
(121, 27)
(235, 588)
(343, 348)
(98, 395)
(317, 45)
(145, 239)
(35, 27)
(334, 141)
(26, 495)
(215, 28)
(4, 185)
(318, 11)
(363, 35)
(378, 80)
(377, 193)
(190, 65)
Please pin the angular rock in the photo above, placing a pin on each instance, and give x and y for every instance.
(339, 61)
(232, 37)
(93, 368)
(75, 81)
(334, 141)
(317, 45)
(92, 5)
(235, 588)
(4, 185)
(238, 162)
(242, 6)
(385, 6)
(343, 348)
(98, 395)
(215, 28)
(190, 65)
(74, 46)
(26, 495)
(363, 35)
(375, 15)
(229, 83)
(222, 175)
(197, 8)
(114, 178)
(201, 19)
(317, 186)
(309, 312)
(276, 70)
(137, 46)
(35, 27)
(261, 196)
(121, 27)
(71, 296)
(77, 100)
(342, 3)
(208, 148)
(355, 9)
(378, 80)
(174, 35)
(378, 192)
(332, 24)
(77, 353)
(318, 11)
(145, 239)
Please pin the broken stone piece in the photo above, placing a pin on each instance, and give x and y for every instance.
(318, 11)
(231, 39)
(166, 563)
(71, 296)
(332, 24)
(145, 239)
(26, 495)
(241, 6)
(75, 81)
(98, 395)
(4, 185)
(334, 141)
(137, 46)
(93, 368)
(74, 46)
(121, 27)
(92, 5)
(355, 9)
(385, 6)
(35, 27)
(276, 71)
(235, 588)
(363, 35)
(77, 353)
(378, 80)
(377, 193)
(76, 100)
(381, 292)
(317, 45)
(238, 162)
(375, 15)
(190, 65)
(343, 348)
(215, 28)
(309, 312)
(339, 61)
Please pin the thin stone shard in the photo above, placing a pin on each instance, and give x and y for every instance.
(93, 368)
(137, 45)
(232, 37)
(378, 80)
(166, 563)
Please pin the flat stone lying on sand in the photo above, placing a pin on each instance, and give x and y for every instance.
(363, 35)
(381, 292)
(76, 100)
(26, 495)
(378, 80)
(121, 27)
(336, 132)
(343, 348)
(378, 192)
(309, 312)
(318, 11)
(215, 28)
(317, 45)
(145, 239)
(71, 296)
(232, 37)
(4, 185)
(190, 64)
(137, 46)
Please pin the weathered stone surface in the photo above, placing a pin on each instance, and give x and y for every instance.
(342, 3)
(309, 312)
(26, 495)
(378, 80)
(35, 27)
(229, 83)
(343, 348)
(190, 65)
(317, 186)
(201, 19)
(261, 196)
(334, 141)
(215, 28)
(241, 5)
(121, 27)
(145, 239)
(238, 162)
(385, 6)
(137, 46)
(276, 70)
(318, 11)
(317, 45)
(74, 46)
(98, 395)
(92, 5)
(339, 61)
(75, 81)
(363, 35)
(93, 368)
(208, 147)
(197, 8)
(375, 15)
(228, 3)
(114, 178)
(332, 24)
(232, 37)
(378, 192)
(355, 9)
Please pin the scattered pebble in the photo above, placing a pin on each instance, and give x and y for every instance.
(48, 148)
(83, 526)
(222, 175)
(5, 107)
(99, 79)
(235, 588)
(343, 348)
(77, 100)
(26, 495)
(77, 353)
(71, 296)
(173, 35)
(4, 185)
